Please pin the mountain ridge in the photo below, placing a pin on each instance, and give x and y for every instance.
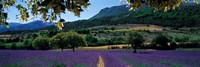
(186, 15)
(37, 24)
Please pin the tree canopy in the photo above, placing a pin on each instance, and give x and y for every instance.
(157, 4)
(42, 43)
(135, 39)
(68, 40)
(51, 9)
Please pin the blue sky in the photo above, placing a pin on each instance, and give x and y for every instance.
(94, 8)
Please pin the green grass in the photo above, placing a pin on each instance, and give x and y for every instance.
(13, 65)
(170, 64)
(79, 65)
(8, 45)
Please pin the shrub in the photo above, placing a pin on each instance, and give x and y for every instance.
(182, 39)
(163, 42)
(173, 45)
(20, 46)
(189, 45)
(13, 46)
(91, 40)
(112, 28)
(83, 31)
(114, 47)
(2, 46)
(28, 45)
(102, 42)
(126, 47)
(117, 40)
(41, 43)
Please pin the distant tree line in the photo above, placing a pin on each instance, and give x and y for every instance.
(73, 40)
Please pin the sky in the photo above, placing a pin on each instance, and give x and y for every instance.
(94, 8)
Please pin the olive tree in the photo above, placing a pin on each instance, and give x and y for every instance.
(42, 43)
(68, 40)
(75, 40)
(60, 40)
(135, 39)
(162, 42)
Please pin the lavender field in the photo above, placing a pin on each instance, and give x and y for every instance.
(111, 58)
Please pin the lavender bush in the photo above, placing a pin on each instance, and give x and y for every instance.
(111, 58)
(47, 58)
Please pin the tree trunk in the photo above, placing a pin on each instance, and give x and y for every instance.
(134, 51)
(73, 49)
(135, 47)
(62, 49)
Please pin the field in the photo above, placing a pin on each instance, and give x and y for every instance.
(96, 58)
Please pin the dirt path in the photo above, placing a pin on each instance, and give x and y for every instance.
(100, 62)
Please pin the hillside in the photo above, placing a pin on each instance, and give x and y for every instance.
(117, 10)
(187, 15)
(112, 11)
(12, 24)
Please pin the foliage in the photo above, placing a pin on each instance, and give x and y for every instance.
(135, 39)
(2, 46)
(60, 40)
(75, 40)
(41, 43)
(195, 41)
(10, 39)
(163, 42)
(164, 5)
(28, 44)
(102, 42)
(189, 45)
(83, 31)
(90, 39)
(52, 33)
(14, 46)
(48, 9)
(182, 39)
(68, 39)
(118, 40)
(34, 36)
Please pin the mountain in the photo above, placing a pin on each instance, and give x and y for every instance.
(38, 24)
(187, 15)
(116, 10)
(31, 26)
(12, 24)
(123, 9)
(112, 11)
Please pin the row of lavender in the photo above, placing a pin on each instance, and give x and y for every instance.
(116, 58)
(22, 58)
(152, 59)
